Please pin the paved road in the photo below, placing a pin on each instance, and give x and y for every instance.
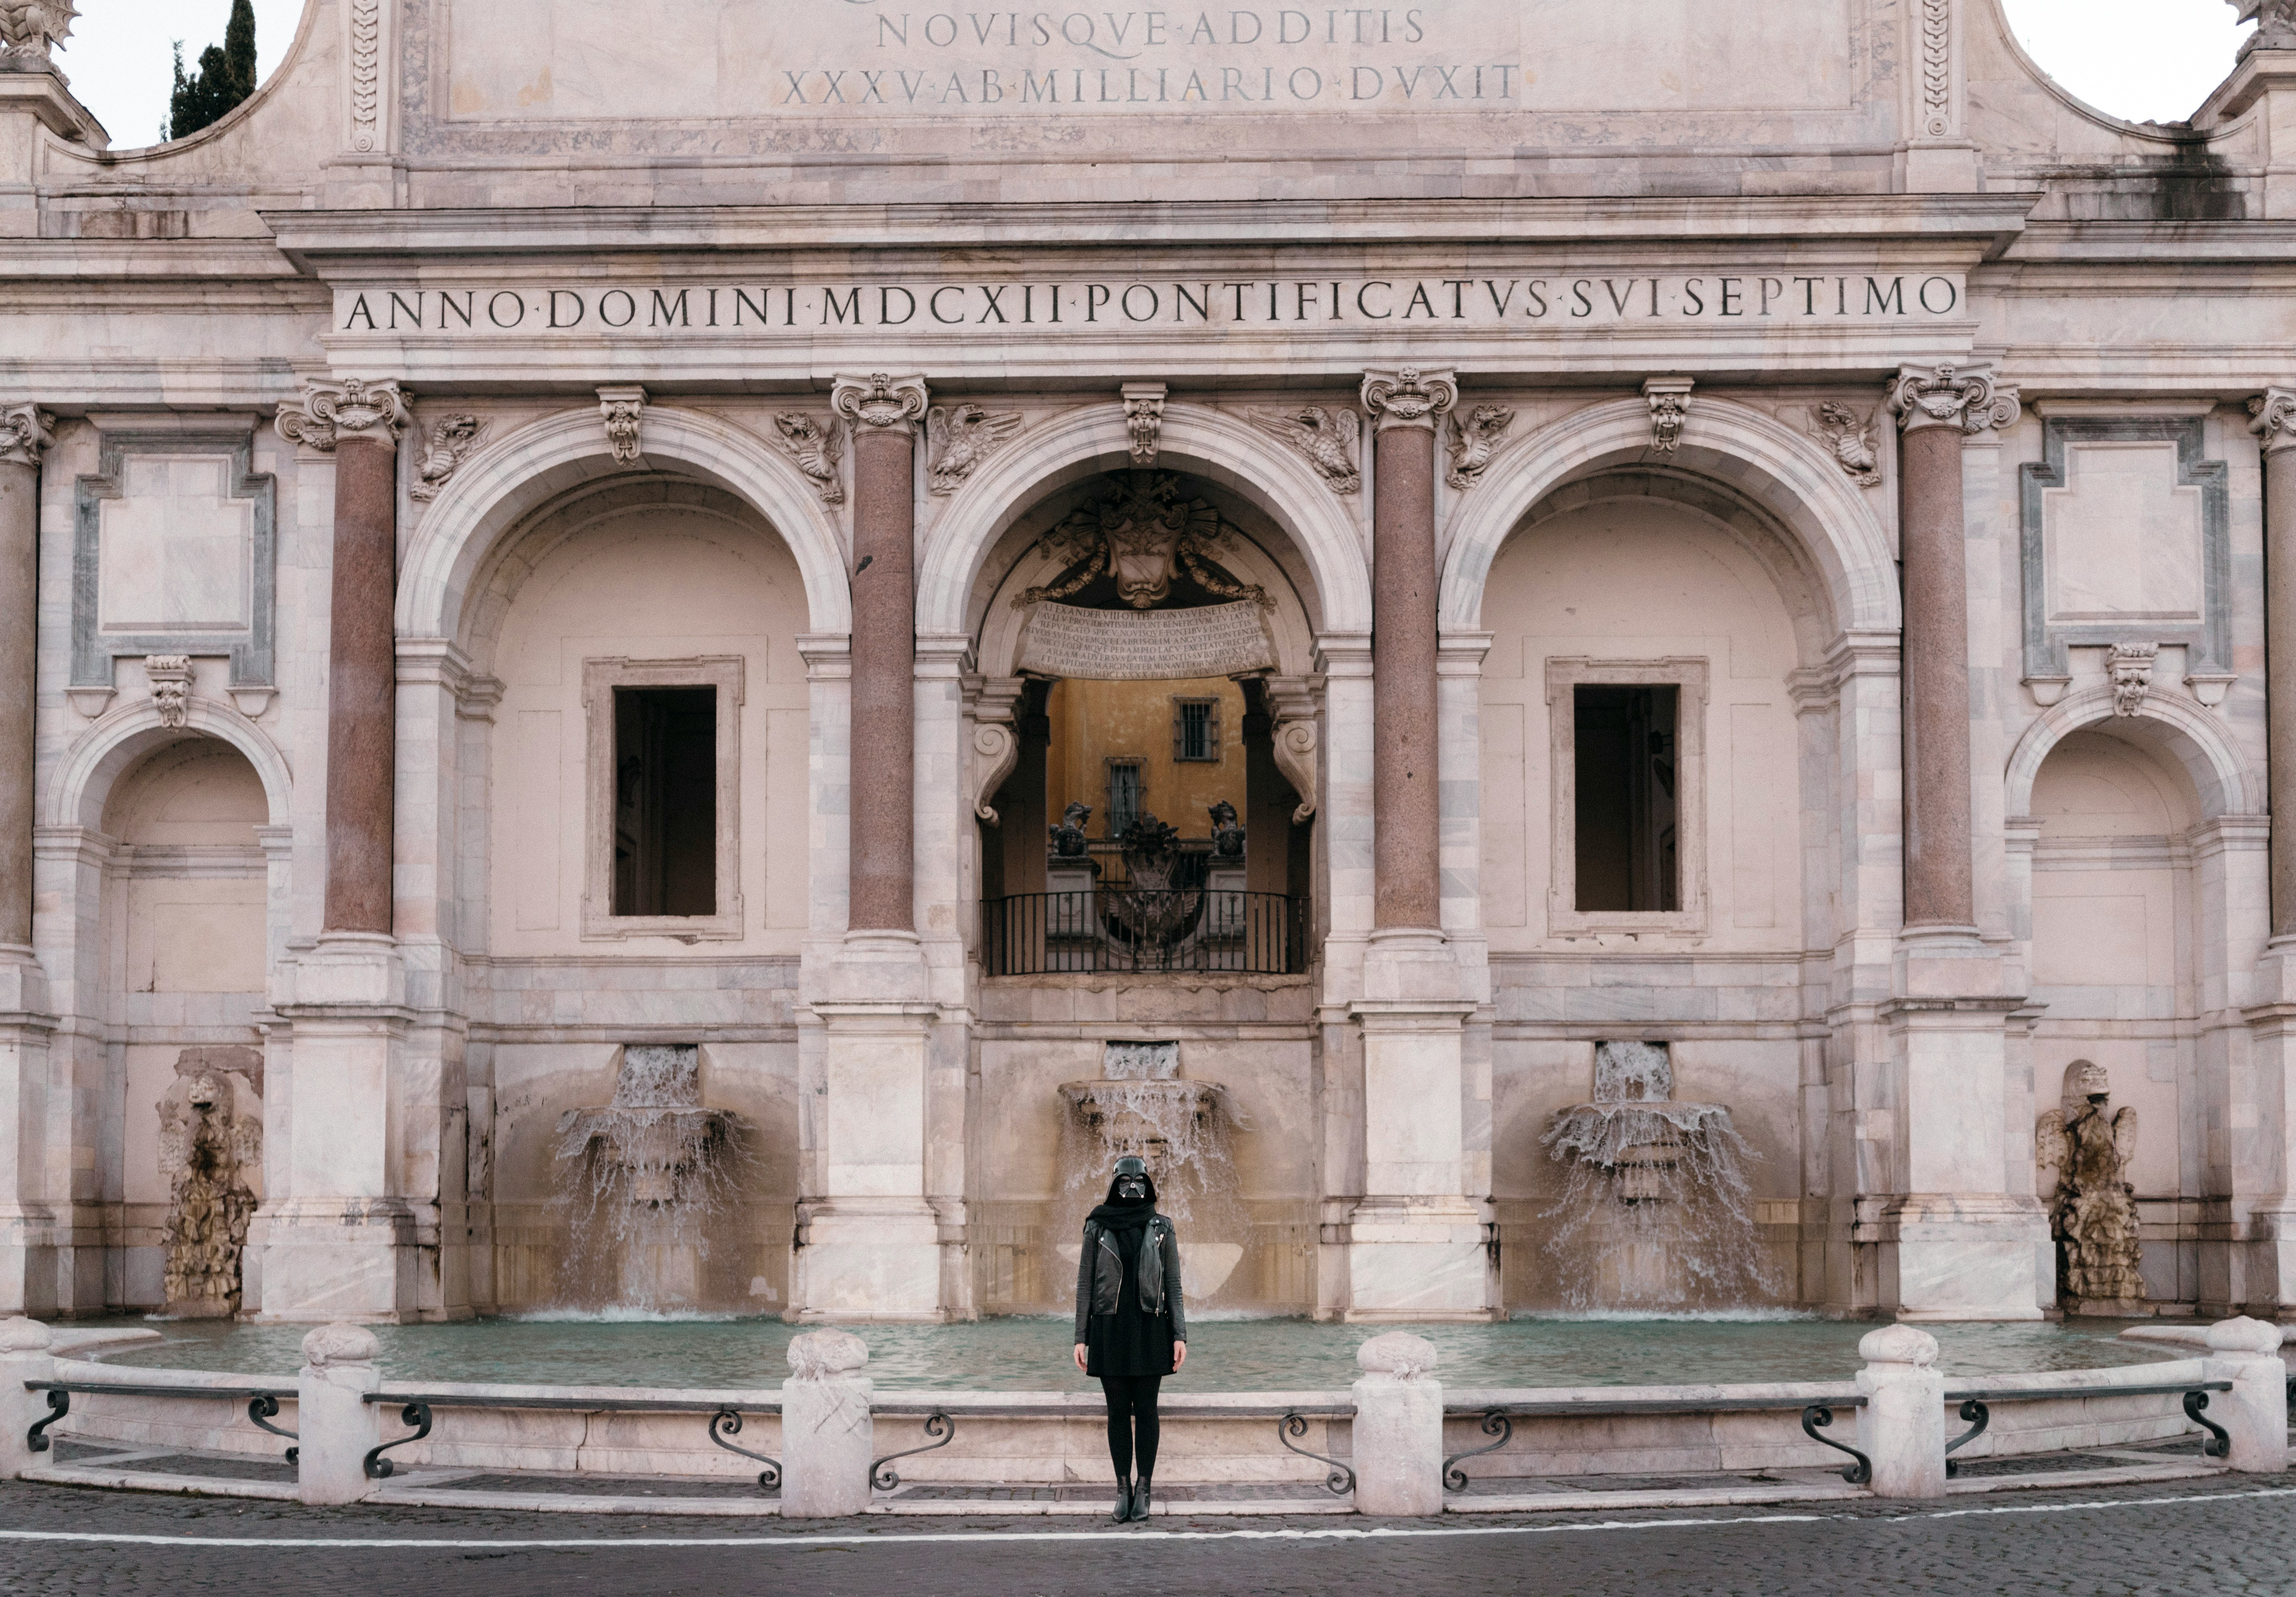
(2227, 1536)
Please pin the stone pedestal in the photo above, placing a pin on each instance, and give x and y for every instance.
(1397, 1447)
(335, 1426)
(869, 1242)
(24, 1357)
(828, 1437)
(2255, 1412)
(1901, 1429)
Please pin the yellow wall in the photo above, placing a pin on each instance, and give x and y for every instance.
(1096, 721)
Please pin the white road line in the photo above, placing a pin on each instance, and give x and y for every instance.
(801, 1543)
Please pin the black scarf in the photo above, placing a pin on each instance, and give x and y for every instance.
(1123, 1216)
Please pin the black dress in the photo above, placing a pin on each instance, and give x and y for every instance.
(1128, 1343)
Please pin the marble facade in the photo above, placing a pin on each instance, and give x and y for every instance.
(1926, 428)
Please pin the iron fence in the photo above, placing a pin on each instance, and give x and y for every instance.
(1128, 929)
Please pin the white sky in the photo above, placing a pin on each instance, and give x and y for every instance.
(2139, 59)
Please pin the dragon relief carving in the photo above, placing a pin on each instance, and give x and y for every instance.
(1142, 533)
(1851, 438)
(817, 448)
(963, 435)
(2276, 24)
(32, 28)
(1325, 436)
(1474, 438)
(452, 440)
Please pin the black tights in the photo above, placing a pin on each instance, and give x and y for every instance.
(1131, 1411)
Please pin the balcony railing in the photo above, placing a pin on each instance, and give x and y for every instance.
(1122, 929)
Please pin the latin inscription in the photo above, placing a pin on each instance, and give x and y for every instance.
(1550, 302)
(1124, 645)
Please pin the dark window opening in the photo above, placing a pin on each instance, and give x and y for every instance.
(1624, 750)
(1195, 729)
(665, 801)
(1124, 789)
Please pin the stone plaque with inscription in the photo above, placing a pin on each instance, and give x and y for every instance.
(1129, 645)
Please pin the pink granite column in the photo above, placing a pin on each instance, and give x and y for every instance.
(1937, 408)
(1406, 810)
(359, 422)
(23, 435)
(2276, 424)
(882, 414)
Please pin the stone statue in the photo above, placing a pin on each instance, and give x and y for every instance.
(1068, 840)
(210, 1138)
(31, 28)
(2091, 1206)
(2276, 24)
(1227, 837)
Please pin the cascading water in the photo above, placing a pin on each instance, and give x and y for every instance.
(1656, 1211)
(1183, 1130)
(646, 1175)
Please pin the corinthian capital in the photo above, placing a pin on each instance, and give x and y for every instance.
(1409, 397)
(879, 401)
(25, 429)
(330, 412)
(2273, 415)
(1969, 397)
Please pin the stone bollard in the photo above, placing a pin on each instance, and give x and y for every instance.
(827, 1437)
(1398, 1428)
(335, 1427)
(24, 1357)
(2246, 1353)
(1902, 1426)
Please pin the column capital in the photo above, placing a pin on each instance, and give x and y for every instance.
(878, 401)
(329, 412)
(1972, 398)
(2273, 415)
(25, 431)
(1408, 396)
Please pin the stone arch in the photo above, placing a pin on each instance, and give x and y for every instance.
(503, 484)
(96, 761)
(2170, 723)
(1752, 454)
(1203, 439)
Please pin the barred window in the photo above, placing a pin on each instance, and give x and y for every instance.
(1195, 730)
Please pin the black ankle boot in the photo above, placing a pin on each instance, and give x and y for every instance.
(1139, 1499)
(1123, 1502)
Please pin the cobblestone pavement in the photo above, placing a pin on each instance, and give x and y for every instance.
(2228, 1535)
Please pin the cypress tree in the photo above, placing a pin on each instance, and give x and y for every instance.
(225, 75)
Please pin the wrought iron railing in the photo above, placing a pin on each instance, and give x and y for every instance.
(1122, 929)
(1976, 1411)
(1497, 1421)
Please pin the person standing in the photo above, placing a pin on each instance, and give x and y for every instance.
(1131, 1326)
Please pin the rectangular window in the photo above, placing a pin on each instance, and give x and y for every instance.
(1196, 730)
(1125, 788)
(665, 801)
(1624, 758)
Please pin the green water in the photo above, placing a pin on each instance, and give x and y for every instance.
(1224, 1356)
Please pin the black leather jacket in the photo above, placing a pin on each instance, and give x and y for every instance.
(1100, 1275)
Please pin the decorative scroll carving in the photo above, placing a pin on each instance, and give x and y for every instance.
(452, 440)
(366, 73)
(1296, 745)
(1937, 68)
(623, 409)
(25, 431)
(1143, 532)
(879, 401)
(330, 412)
(1143, 421)
(1474, 438)
(996, 750)
(1669, 407)
(32, 28)
(170, 675)
(2276, 24)
(817, 448)
(2092, 1205)
(2130, 668)
(1327, 437)
(1970, 398)
(1408, 397)
(963, 435)
(2275, 410)
(1850, 437)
